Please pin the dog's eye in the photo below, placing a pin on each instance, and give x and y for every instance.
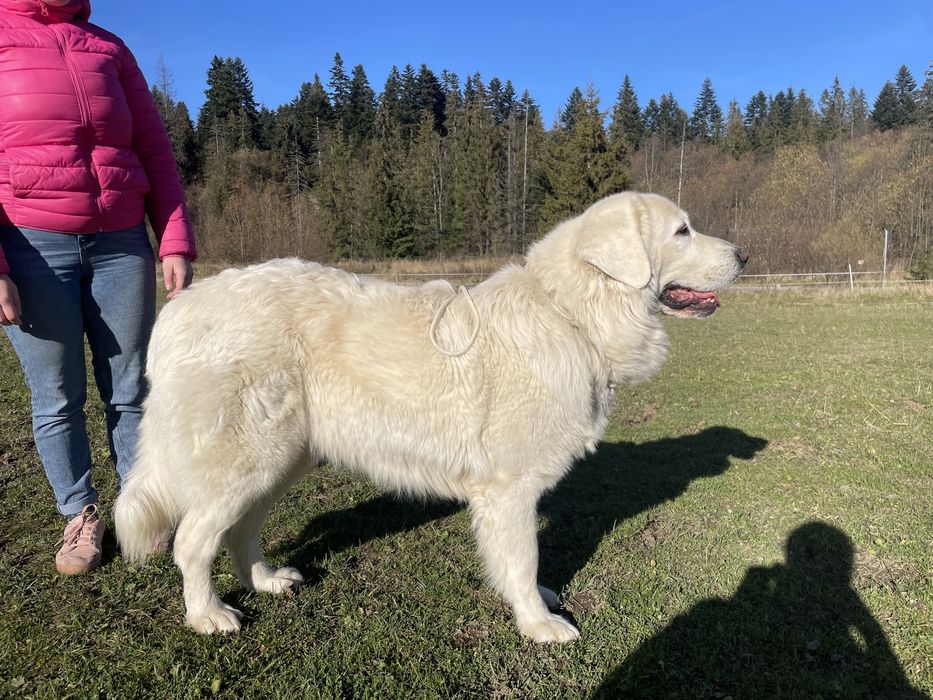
(683, 231)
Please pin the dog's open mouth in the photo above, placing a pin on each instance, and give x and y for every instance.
(688, 302)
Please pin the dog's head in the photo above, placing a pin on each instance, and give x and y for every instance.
(645, 241)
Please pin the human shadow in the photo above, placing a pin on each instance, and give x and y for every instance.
(622, 480)
(792, 630)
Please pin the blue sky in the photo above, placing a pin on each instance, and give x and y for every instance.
(547, 48)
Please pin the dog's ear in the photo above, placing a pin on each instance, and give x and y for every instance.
(610, 240)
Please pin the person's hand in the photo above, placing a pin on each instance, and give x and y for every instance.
(10, 308)
(176, 273)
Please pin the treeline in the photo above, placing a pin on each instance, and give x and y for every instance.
(436, 166)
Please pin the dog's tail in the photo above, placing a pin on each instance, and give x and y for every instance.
(146, 511)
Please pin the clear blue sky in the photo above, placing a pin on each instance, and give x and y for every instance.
(547, 48)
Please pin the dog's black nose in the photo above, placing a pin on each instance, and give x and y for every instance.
(742, 255)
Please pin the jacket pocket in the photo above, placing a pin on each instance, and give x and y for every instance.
(120, 170)
(34, 180)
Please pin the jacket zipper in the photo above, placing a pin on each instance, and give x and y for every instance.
(84, 107)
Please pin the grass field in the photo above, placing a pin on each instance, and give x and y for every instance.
(758, 523)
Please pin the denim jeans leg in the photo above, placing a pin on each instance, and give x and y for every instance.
(50, 345)
(118, 296)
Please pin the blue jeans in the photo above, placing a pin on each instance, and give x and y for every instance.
(101, 286)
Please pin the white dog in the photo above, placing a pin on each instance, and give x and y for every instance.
(488, 396)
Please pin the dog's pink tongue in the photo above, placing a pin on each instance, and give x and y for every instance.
(691, 296)
(706, 296)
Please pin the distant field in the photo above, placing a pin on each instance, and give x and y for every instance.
(757, 524)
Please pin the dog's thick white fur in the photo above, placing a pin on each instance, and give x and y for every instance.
(260, 374)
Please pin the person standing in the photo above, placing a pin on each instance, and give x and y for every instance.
(84, 158)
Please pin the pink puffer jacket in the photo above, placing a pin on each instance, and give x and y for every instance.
(82, 147)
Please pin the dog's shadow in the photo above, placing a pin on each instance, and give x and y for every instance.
(622, 480)
(339, 530)
(618, 482)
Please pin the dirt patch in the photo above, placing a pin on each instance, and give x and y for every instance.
(795, 447)
(873, 571)
(654, 532)
(649, 412)
(582, 602)
(470, 635)
(367, 558)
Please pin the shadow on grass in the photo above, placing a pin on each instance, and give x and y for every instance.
(618, 482)
(622, 480)
(793, 630)
(338, 530)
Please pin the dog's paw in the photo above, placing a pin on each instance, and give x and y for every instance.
(218, 619)
(552, 628)
(284, 580)
(551, 599)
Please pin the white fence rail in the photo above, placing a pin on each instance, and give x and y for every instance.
(816, 280)
(758, 282)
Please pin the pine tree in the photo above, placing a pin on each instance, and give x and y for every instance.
(293, 161)
(474, 174)
(426, 189)
(184, 143)
(925, 106)
(832, 112)
(783, 123)
(246, 104)
(756, 113)
(229, 110)
(430, 97)
(664, 119)
(579, 166)
(671, 119)
(886, 114)
(388, 218)
(650, 116)
(220, 99)
(500, 100)
(339, 85)
(360, 114)
(529, 143)
(856, 113)
(453, 99)
(499, 104)
(266, 120)
(706, 121)
(802, 127)
(627, 122)
(571, 111)
(313, 115)
(735, 142)
(409, 109)
(335, 193)
(906, 88)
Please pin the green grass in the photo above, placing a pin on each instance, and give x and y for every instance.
(795, 417)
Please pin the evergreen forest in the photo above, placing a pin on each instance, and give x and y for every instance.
(432, 165)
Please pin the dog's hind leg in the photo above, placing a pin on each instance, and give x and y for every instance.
(506, 528)
(242, 541)
(196, 543)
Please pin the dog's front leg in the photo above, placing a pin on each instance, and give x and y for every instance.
(506, 528)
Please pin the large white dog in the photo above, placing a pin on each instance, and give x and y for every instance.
(488, 396)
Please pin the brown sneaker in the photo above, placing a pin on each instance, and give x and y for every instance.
(80, 550)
